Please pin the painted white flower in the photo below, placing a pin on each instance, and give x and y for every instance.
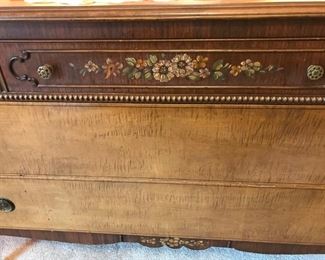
(162, 71)
(182, 65)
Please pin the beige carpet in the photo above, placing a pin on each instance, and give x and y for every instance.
(13, 248)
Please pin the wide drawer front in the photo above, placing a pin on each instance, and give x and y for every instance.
(276, 144)
(213, 212)
(188, 67)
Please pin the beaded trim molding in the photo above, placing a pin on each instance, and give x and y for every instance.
(166, 99)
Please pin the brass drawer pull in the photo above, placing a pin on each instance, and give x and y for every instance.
(45, 71)
(6, 205)
(25, 55)
(315, 72)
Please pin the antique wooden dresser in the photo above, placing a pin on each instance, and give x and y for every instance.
(171, 123)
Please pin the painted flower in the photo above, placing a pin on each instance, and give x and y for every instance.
(163, 71)
(91, 67)
(182, 65)
(200, 62)
(257, 66)
(141, 64)
(204, 73)
(250, 67)
(235, 70)
(112, 68)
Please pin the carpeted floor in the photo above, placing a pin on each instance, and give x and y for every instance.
(12, 248)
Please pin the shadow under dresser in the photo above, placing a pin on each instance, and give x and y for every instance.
(172, 124)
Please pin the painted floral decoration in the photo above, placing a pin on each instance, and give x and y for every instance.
(163, 71)
(182, 65)
(200, 62)
(89, 67)
(112, 68)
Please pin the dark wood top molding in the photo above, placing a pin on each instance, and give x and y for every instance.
(140, 11)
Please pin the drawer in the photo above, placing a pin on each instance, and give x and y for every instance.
(220, 143)
(211, 212)
(161, 66)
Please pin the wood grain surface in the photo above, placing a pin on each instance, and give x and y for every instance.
(300, 27)
(148, 10)
(235, 144)
(204, 212)
(236, 173)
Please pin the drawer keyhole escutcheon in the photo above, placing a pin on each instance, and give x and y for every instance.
(6, 205)
(45, 71)
(315, 72)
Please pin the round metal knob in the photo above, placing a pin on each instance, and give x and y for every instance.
(6, 205)
(45, 71)
(315, 72)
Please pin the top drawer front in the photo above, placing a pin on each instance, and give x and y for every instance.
(186, 67)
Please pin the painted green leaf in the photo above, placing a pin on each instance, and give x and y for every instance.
(194, 76)
(270, 67)
(83, 72)
(137, 75)
(217, 75)
(148, 75)
(250, 73)
(134, 71)
(149, 63)
(217, 65)
(127, 70)
(153, 59)
(227, 66)
(146, 70)
(131, 61)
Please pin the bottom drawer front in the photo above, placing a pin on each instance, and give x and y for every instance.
(211, 212)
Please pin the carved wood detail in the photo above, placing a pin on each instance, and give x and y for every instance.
(174, 242)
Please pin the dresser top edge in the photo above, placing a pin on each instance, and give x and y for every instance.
(244, 10)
